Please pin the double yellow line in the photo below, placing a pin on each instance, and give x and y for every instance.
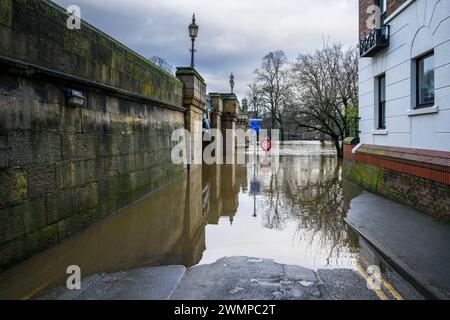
(377, 289)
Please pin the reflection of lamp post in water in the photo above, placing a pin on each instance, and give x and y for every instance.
(255, 188)
(254, 206)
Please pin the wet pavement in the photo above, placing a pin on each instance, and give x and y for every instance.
(233, 278)
(418, 245)
(290, 211)
(244, 278)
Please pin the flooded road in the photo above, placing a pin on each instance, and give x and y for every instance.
(294, 215)
(290, 210)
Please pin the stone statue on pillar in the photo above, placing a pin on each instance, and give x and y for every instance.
(232, 82)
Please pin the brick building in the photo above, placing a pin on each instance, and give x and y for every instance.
(404, 83)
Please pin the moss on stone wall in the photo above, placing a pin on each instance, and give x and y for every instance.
(6, 12)
(70, 167)
(428, 196)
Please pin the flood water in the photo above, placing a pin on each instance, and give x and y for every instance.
(290, 210)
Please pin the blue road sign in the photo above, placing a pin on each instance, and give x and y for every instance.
(255, 124)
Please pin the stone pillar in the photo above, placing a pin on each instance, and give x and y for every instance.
(217, 104)
(216, 121)
(194, 100)
(230, 117)
(243, 121)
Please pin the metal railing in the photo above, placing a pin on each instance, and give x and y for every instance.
(374, 41)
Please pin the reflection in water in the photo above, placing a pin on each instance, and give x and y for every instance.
(293, 212)
(289, 210)
(165, 228)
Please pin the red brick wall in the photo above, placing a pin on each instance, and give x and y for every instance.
(363, 16)
(348, 155)
(392, 5)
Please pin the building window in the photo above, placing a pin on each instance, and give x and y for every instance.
(425, 81)
(382, 102)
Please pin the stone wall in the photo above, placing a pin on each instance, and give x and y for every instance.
(63, 168)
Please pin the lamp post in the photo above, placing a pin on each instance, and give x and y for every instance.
(193, 32)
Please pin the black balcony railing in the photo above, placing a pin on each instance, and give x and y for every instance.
(374, 41)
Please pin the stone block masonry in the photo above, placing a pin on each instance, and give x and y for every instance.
(57, 179)
(62, 167)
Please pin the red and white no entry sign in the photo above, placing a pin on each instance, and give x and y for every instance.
(266, 145)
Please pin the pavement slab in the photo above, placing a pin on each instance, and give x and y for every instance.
(417, 245)
(141, 284)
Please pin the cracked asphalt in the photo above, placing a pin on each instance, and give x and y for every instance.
(243, 278)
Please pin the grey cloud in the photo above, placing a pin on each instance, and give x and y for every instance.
(234, 34)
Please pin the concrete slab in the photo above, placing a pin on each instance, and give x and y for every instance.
(141, 284)
(416, 245)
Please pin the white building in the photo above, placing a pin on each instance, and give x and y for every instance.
(405, 84)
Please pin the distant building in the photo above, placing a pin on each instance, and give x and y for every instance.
(404, 104)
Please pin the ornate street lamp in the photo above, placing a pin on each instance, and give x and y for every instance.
(193, 32)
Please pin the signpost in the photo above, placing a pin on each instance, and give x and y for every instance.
(255, 125)
(255, 184)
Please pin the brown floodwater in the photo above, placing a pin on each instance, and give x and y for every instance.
(290, 210)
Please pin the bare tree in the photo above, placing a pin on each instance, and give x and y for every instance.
(254, 96)
(163, 64)
(275, 86)
(325, 89)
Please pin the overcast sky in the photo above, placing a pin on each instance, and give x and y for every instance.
(234, 34)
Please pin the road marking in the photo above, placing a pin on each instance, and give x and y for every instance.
(35, 291)
(386, 284)
(376, 289)
(390, 288)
